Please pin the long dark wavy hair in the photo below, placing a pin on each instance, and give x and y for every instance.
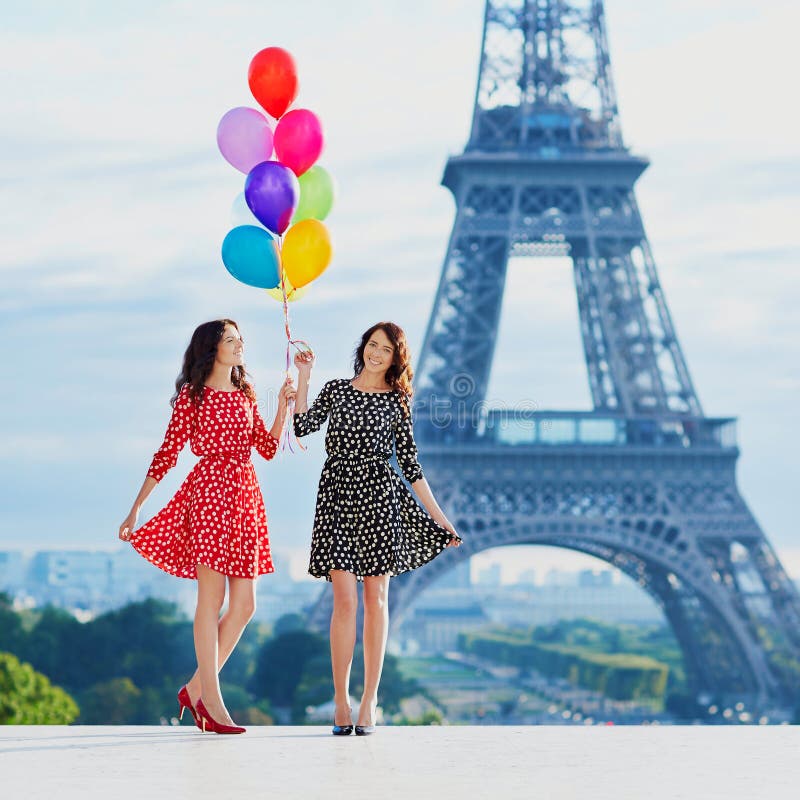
(198, 361)
(400, 373)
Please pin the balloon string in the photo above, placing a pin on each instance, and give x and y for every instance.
(286, 439)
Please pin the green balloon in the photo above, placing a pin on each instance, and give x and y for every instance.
(316, 195)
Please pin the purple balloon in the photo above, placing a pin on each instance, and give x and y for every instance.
(244, 138)
(272, 193)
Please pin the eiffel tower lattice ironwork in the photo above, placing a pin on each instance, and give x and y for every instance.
(645, 481)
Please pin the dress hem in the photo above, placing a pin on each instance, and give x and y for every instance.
(361, 575)
(392, 573)
(193, 577)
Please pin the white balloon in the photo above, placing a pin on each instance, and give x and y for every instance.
(241, 214)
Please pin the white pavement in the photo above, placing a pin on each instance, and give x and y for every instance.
(541, 763)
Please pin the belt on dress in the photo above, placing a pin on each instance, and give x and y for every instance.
(335, 459)
(226, 457)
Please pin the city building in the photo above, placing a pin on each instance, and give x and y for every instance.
(458, 577)
(527, 578)
(12, 571)
(435, 630)
(93, 582)
(490, 576)
(588, 578)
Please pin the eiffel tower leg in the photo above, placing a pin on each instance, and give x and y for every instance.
(459, 344)
(714, 664)
(698, 672)
(765, 597)
(710, 661)
(784, 600)
(632, 355)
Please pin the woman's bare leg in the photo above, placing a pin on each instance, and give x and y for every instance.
(210, 596)
(343, 641)
(376, 630)
(241, 607)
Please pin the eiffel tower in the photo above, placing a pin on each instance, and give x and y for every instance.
(645, 481)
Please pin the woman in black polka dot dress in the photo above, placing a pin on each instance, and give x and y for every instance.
(367, 525)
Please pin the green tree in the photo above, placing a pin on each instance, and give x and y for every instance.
(294, 671)
(289, 622)
(28, 698)
(281, 665)
(394, 685)
(582, 660)
(315, 687)
(11, 633)
(125, 666)
(244, 709)
(111, 702)
(240, 666)
(144, 641)
(430, 717)
(56, 646)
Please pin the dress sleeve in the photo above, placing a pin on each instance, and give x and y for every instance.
(178, 431)
(406, 449)
(263, 440)
(311, 420)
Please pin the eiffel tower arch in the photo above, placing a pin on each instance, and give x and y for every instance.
(644, 481)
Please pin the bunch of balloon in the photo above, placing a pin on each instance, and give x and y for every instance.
(285, 197)
(278, 241)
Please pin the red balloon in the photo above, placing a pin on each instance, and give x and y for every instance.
(273, 80)
(298, 140)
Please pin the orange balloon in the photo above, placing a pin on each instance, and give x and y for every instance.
(306, 252)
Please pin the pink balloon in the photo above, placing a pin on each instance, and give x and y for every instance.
(298, 140)
(244, 138)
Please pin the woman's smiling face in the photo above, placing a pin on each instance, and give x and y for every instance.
(230, 350)
(378, 353)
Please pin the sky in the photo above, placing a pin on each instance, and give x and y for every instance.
(116, 201)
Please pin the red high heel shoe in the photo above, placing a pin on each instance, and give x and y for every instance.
(184, 702)
(208, 723)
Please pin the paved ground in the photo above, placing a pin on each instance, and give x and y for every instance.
(546, 763)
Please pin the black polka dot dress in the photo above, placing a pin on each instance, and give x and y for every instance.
(367, 522)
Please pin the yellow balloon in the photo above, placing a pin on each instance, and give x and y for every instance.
(306, 252)
(292, 294)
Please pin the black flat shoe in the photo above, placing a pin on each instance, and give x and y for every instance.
(342, 730)
(364, 730)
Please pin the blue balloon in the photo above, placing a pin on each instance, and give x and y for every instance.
(251, 255)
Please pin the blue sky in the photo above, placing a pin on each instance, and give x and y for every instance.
(116, 202)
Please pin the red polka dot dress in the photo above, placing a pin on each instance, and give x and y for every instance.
(217, 516)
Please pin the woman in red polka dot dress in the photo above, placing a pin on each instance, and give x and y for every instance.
(215, 527)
